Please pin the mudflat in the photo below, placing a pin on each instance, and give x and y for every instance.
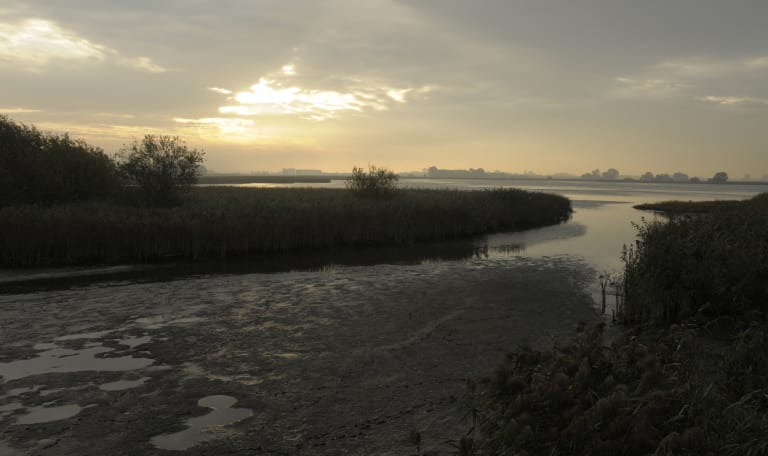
(346, 360)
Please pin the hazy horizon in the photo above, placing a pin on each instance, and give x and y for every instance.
(517, 86)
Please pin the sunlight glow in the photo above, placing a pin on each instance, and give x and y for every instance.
(289, 70)
(34, 42)
(275, 95)
(226, 126)
(220, 90)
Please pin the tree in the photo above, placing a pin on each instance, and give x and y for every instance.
(680, 177)
(377, 183)
(611, 174)
(47, 168)
(720, 177)
(161, 167)
(647, 176)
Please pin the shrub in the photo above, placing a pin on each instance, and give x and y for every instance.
(377, 183)
(161, 167)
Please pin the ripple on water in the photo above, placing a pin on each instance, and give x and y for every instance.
(200, 428)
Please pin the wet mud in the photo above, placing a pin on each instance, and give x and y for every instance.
(347, 360)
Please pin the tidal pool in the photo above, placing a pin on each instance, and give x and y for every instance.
(202, 428)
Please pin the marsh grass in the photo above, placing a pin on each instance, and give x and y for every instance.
(651, 392)
(705, 265)
(217, 222)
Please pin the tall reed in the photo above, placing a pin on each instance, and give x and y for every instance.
(215, 222)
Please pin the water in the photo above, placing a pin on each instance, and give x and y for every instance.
(202, 428)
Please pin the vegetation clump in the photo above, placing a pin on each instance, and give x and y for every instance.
(376, 183)
(653, 391)
(161, 167)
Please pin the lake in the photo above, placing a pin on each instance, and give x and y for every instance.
(315, 353)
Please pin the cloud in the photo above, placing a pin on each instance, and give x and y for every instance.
(220, 90)
(279, 94)
(699, 67)
(627, 87)
(223, 126)
(34, 43)
(18, 110)
(144, 64)
(695, 78)
(733, 101)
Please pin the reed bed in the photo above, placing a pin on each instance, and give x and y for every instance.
(712, 263)
(216, 222)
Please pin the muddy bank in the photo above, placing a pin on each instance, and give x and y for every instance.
(348, 360)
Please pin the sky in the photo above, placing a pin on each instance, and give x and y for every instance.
(544, 86)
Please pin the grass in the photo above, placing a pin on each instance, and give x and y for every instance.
(672, 391)
(710, 264)
(217, 222)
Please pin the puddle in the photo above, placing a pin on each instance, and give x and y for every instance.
(42, 414)
(63, 360)
(133, 342)
(203, 428)
(121, 385)
(11, 407)
(88, 335)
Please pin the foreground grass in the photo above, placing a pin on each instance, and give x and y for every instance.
(689, 376)
(673, 391)
(215, 222)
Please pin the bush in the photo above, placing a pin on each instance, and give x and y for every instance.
(162, 167)
(45, 168)
(377, 183)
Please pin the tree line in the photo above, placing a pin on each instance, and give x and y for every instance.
(46, 168)
(719, 177)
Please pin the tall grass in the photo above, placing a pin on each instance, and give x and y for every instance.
(215, 222)
(661, 392)
(714, 264)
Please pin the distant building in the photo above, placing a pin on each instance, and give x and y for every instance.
(301, 172)
(433, 171)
